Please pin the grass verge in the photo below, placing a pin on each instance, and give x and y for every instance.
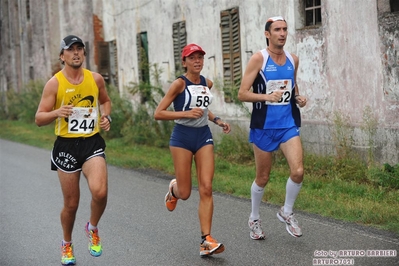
(323, 192)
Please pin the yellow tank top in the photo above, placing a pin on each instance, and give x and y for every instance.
(84, 121)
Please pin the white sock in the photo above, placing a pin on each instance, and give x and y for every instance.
(66, 242)
(291, 192)
(256, 198)
(91, 227)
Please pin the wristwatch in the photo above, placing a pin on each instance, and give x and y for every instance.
(216, 119)
(109, 118)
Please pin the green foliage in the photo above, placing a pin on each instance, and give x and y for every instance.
(342, 135)
(149, 94)
(23, 105)
(231, 92)
(142, 128)
(234, 147)
(337, 168)
(386, 176)
(179, 70)
(348, 165)
(121, 113)
(369, 126)
(231, 95)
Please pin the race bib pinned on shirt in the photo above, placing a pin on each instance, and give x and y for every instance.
(280, 84)
(201, 96)
(82, 120)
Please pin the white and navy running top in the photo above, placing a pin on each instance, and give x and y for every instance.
(194, 95)
(271, 77)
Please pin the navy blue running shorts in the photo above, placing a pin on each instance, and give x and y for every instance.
(69, 154)
(190, 138)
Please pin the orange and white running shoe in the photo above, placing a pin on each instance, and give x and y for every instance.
(170, 201)
(210, 246)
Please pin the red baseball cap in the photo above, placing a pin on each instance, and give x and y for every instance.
(191, 48)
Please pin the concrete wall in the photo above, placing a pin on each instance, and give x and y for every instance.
(348, 65)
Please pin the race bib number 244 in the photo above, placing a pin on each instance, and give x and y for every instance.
(82, 120)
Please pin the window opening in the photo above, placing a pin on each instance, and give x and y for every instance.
(27, 9)
(313, 12)
(142, 50)
(394, 5)
(231, 49)
(179, 41)
(144, 85)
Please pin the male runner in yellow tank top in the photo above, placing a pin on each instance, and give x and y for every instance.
(76, 99)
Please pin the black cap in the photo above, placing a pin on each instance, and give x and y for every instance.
(69, 40)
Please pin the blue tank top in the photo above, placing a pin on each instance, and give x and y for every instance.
(193, 95)
(271, 77)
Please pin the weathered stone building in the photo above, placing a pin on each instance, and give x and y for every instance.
(348, 50)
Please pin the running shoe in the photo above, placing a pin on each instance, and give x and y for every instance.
(170, 201)
(256, 232)
(67, 257)
(210, 246)
(95, 247)
(291, 224)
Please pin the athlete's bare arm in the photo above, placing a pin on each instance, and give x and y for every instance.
(46, 113)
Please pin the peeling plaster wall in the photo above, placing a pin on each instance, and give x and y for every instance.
(43, 28)
(341, 68)
(31, 43)
(123, 20)
(76, 18)
(389, 37)
(355, 80)
(347, 65)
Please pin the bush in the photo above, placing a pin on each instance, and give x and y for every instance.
(234, 146)
(386, 176)
(23, 105)
(143, 129)
(121, 113)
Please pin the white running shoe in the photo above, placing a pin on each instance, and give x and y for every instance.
(291, 224)
(256, 232)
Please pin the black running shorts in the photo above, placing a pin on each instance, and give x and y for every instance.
(69, 154)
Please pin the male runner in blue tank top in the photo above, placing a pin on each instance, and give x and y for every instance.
(275, 121)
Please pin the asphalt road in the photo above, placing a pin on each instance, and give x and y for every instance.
(136, 228)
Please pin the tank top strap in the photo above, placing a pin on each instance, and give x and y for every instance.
(188, 82)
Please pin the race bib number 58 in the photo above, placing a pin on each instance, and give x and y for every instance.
(200, 96)
(82, 120)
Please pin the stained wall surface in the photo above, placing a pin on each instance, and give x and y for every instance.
(349, 65)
